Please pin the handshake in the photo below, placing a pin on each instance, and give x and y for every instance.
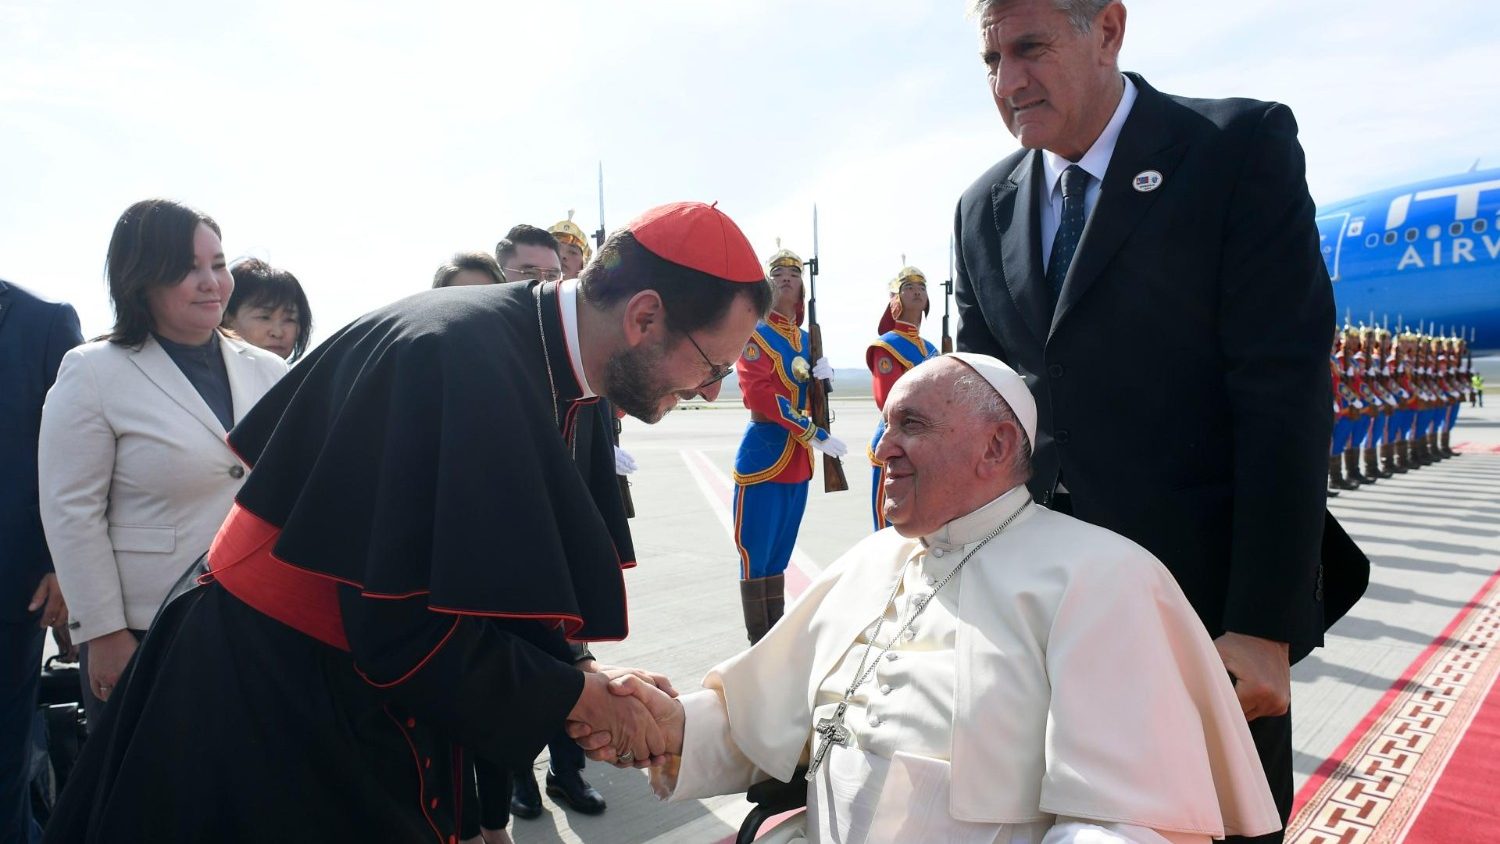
(627, 717)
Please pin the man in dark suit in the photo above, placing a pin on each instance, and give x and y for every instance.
(34, 335)
(1150, 265)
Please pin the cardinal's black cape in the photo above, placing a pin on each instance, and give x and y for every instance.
(424, 458)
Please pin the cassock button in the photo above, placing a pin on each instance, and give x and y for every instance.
(890, 656)
(937, 552)
(236, 471)
(410, 723)
(885, 688)
(1055, 370)
(874, 721)
(931, 581)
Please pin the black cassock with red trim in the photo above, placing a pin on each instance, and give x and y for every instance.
(431, 507)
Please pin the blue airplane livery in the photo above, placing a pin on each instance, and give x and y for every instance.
(1425, 254)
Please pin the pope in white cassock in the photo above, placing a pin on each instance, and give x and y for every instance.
(984, 670)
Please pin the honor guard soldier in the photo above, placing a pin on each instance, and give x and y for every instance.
(1346, 413)
(572, 246)
(899, 348)
(774, 463)
(1375, 439)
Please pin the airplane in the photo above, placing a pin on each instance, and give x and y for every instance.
(1423, 255)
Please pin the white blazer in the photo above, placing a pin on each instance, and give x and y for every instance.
(136, 475)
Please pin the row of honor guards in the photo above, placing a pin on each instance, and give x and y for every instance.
(1395, 401)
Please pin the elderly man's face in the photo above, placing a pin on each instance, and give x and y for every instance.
(932, 448)
(1055, 87)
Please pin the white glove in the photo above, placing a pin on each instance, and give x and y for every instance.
(831, 446)
(822, 371)
(624, 463)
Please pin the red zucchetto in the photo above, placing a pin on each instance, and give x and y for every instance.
(699, 237)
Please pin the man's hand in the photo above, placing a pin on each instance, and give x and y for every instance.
(625, 732)
(665, 711)
(108, 656)
(660, 681)
(48, 598)
(66, 650)
(1262, 671)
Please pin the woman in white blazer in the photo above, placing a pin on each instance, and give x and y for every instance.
(134, 470)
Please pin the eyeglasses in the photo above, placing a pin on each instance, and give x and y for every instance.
(717, 371)
(531, 274)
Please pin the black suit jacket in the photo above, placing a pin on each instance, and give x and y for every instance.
(34, 335)
(1182, 382)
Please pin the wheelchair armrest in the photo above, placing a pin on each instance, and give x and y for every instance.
(771, 798)
(780, 796)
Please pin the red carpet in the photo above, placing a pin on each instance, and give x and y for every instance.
(1423, 767)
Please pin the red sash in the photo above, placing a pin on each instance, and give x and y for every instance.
(240, 559)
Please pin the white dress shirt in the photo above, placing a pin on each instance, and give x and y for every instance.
(1095, 162)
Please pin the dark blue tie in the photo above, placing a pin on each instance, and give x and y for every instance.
(1075, 180)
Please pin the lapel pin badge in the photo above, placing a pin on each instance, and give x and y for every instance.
(1146, 181)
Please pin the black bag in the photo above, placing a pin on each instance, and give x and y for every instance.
(62, 731)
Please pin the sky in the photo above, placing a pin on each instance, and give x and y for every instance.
(360, 144)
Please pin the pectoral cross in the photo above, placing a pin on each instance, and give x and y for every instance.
(833, 732)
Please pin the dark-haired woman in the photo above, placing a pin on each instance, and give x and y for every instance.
(135, 474)
(268, 309)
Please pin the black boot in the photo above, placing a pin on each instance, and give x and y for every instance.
(1388, 454)
(1336, 477)
(775, 599)
(753, 601)
(1420, 451)
(1351, 468)
(1443, 443)
(1372, 465)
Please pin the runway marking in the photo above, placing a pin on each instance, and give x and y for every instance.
(718, 488)
(1375, 785)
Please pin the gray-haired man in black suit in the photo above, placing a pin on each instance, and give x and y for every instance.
(1150, 265)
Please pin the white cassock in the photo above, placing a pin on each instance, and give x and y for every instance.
(1058, 688)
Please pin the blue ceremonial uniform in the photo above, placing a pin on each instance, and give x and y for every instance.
(774, 463)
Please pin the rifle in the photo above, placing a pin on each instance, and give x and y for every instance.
(818, 390)
(614, 418)
(947, 293)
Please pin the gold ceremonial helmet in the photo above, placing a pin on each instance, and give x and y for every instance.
(907, 275)
(783, 258)
(568, 231)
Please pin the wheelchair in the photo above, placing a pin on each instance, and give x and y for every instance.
(771, 798)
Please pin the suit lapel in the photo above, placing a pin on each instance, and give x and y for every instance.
(1017, 206)
(1146, 143)
(241, 368)
(157, 366)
